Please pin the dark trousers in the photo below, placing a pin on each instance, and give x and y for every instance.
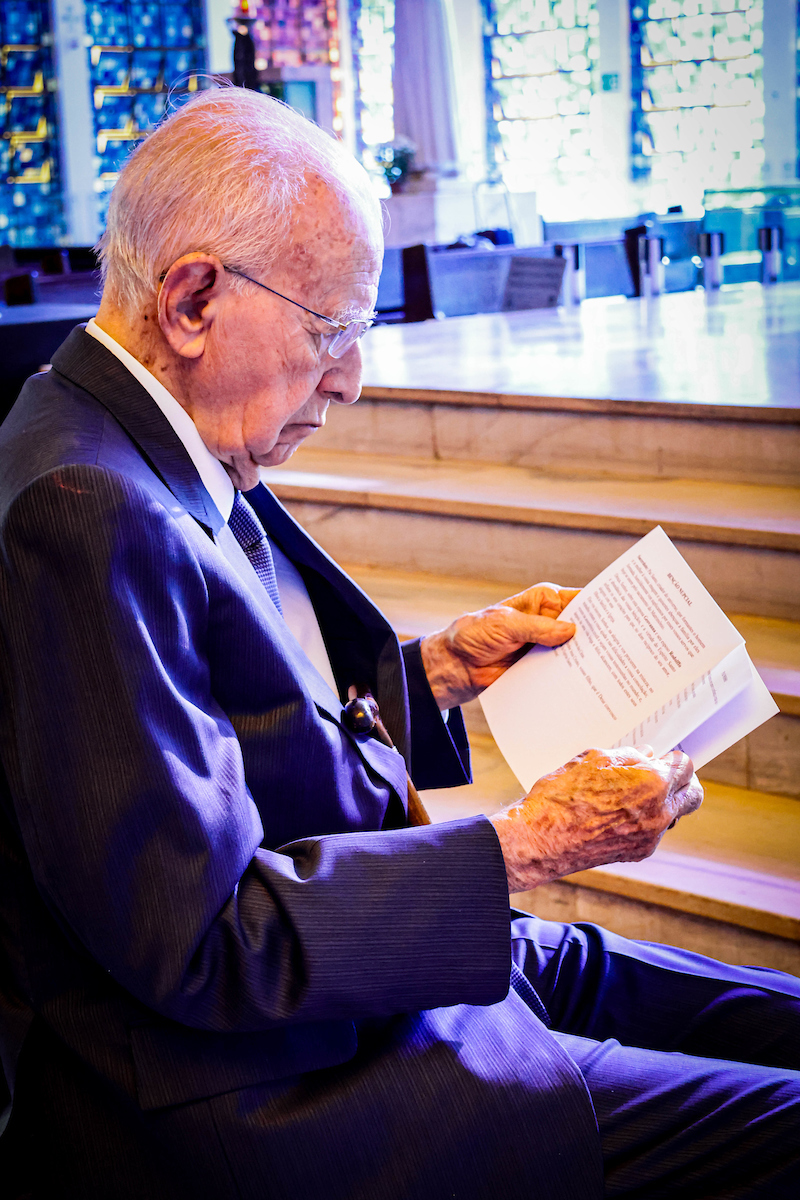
(693, 1066)
(692, 1069)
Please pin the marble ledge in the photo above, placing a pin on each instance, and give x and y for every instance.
(341, 495)
(757, 412)
(768, 904)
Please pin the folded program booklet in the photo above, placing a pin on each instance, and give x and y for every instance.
(654, 660)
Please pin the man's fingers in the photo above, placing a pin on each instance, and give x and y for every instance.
(680, 770)
(628, 756)
(544, 631)
(535, 600)
(689, 798)
(676, 767)
(545, 599)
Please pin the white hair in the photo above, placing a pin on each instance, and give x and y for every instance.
(223, 174)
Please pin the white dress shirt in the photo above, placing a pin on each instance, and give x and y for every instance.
(298, 611)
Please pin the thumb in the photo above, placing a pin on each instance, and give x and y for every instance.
(544, 631)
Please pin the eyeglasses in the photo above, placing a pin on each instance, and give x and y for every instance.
(344, 335)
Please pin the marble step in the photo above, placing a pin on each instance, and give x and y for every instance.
(572, 436)
(767, 759)
(507, 523)
(724, 882)
(693, 385)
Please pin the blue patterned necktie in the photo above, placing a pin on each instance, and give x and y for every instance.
(249, 533)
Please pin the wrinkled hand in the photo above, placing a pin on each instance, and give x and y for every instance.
(604, 806)
(476, 649)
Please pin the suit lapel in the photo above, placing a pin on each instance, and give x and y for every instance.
(89, 365)
(361, 644)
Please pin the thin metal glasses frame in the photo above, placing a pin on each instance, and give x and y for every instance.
(338, 327)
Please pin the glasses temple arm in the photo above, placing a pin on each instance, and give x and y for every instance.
(337, 325)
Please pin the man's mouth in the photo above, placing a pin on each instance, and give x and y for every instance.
(302, 427)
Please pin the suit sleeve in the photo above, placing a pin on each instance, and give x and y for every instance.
(130, 793)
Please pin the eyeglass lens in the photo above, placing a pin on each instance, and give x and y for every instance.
(343, 339)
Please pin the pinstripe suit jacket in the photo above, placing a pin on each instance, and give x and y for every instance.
(181, 915)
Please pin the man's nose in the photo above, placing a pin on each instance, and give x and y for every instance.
(341, 382)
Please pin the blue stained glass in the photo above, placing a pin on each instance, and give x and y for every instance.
(28, 157)
(22, 67)
(107, 22)
(113, 113)
(146, 69)
(178, 25)
(114, 153)
(177, 63)
(24, 114)
(149, 109)
(164, 50)
(697, 94)
(540, 58)
(112, 69)
(147, 29)
(32, 218)
(23, 22)
(30, 200)
(797, 93)
(177, 99)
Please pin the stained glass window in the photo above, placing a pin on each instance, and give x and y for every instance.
(294, 33)
(541, 65)
(291, 35)
(698, 97)
(30, 200)
(141, 53)
(372, 25)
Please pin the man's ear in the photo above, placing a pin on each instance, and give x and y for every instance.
(189, 301)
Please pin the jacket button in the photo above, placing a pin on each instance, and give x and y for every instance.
(360, 714)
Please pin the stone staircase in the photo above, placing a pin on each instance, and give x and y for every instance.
(440, 502)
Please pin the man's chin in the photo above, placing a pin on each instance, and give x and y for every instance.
(283, 450)
(244, 471)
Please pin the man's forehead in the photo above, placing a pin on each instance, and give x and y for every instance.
(334, 229)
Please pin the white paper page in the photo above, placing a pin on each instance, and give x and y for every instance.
(733, 721)
(693, 705)
(646, 627)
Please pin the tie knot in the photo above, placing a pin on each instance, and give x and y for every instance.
(245, 525)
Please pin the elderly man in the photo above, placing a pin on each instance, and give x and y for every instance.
(231, 967)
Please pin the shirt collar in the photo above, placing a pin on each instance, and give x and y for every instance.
(214, 477)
